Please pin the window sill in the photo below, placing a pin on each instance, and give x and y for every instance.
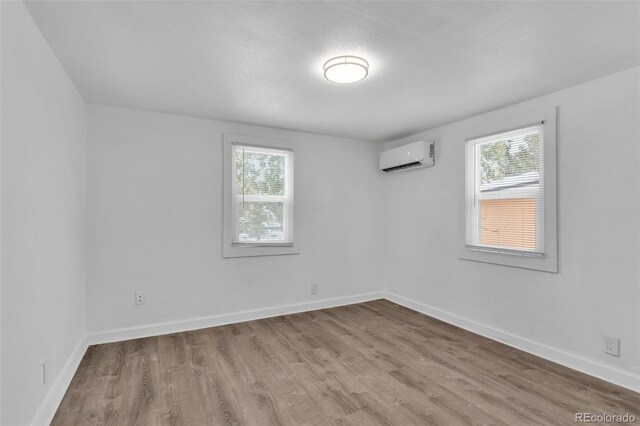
(261, 245)
(262, 250)
(536, 263)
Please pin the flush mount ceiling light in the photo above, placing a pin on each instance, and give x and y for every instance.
(346, 69)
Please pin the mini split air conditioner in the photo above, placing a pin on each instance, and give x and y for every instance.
(415, 155)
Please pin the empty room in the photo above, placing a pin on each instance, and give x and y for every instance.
(319, 212)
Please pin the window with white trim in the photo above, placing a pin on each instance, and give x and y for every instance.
(262, 196)
(510, 215)
(505, 192)
(260, 217)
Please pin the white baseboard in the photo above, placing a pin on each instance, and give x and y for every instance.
(619, 377)
(55, 394)
(117, 335)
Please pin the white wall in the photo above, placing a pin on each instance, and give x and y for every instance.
(155, 222)
(43, 216)
(597, 290)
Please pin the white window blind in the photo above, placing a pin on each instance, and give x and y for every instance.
(262, 196)
(505, 192)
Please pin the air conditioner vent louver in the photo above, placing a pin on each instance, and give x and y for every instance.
(404, 166)
(412, 156)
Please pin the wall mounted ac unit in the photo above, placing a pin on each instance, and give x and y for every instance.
(415, 155)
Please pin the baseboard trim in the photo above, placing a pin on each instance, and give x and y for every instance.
(118, 335)
(601, 371)
(54, 396)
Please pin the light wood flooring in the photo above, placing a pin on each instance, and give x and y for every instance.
(373, 363)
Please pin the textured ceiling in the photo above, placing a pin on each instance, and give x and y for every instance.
(261, 62)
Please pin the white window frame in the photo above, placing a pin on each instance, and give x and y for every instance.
(229, 248)
(474, 186)
(286, 199)
(548, 260)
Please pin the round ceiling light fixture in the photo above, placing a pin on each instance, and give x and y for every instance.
(346, 69)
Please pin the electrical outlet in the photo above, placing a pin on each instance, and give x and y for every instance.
(611, 345)
(43, 365)
(139, 297)
(315, 287)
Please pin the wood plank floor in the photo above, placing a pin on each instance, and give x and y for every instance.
(373, 363)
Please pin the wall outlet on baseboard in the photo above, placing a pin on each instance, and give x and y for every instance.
(43, 365)
(139, 297)
(315, 288)
(611, 345)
